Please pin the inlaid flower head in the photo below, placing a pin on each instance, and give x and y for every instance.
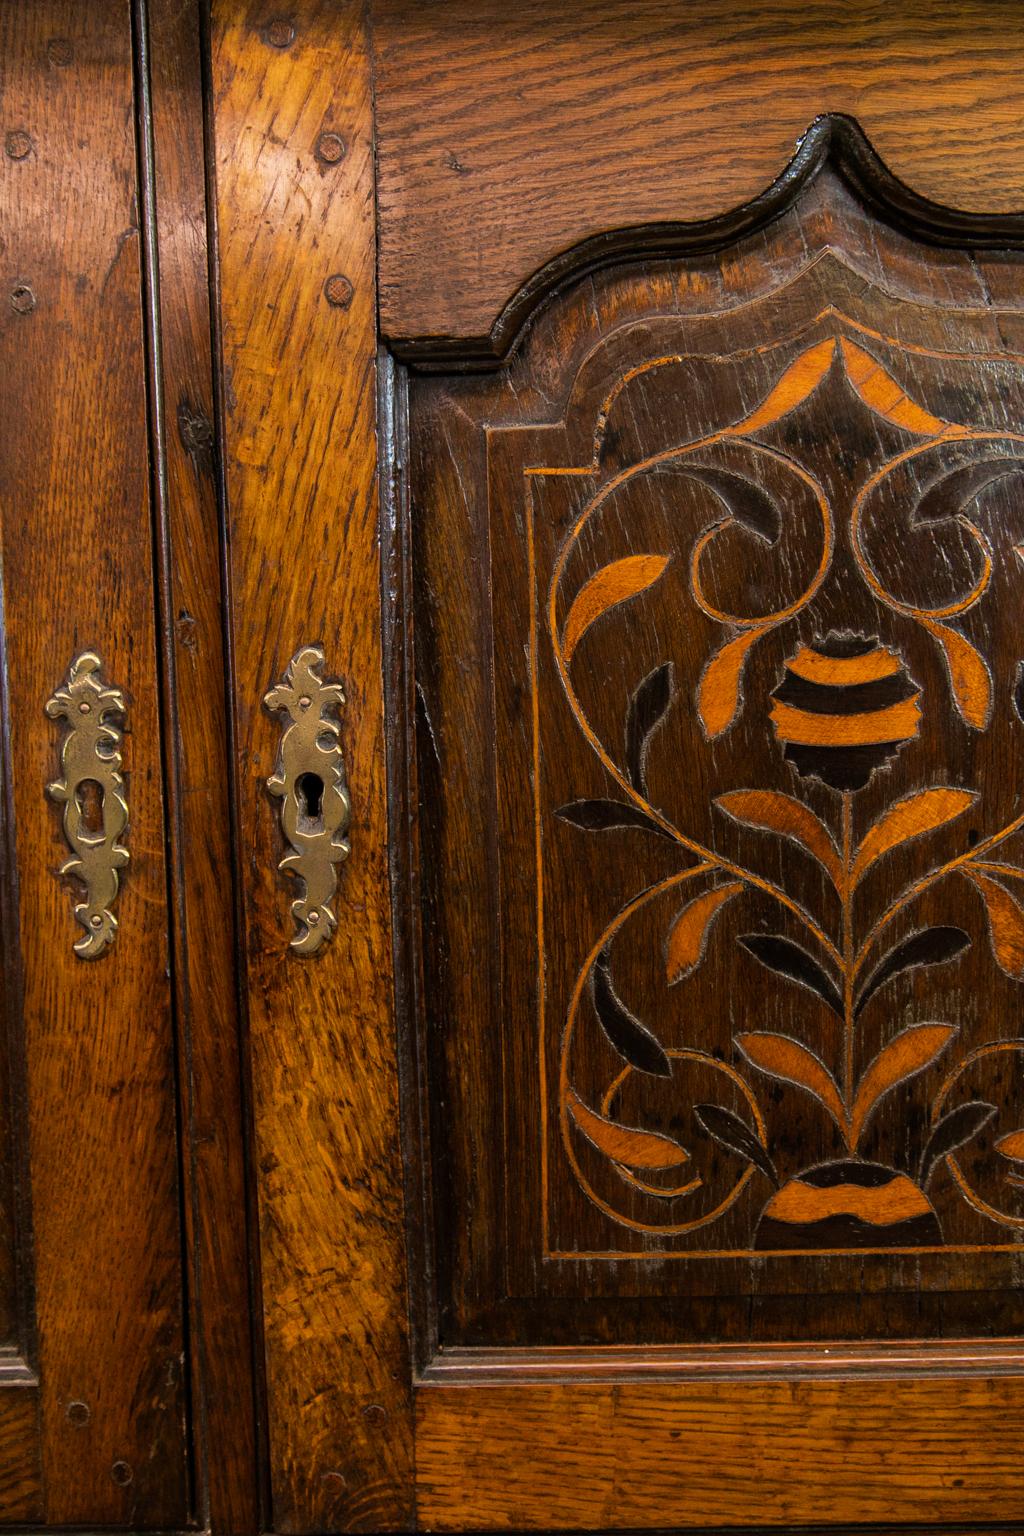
(845, 706)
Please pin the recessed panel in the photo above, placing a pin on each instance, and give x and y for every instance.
(721, 689)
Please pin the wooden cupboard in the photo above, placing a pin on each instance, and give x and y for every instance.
(513, 707)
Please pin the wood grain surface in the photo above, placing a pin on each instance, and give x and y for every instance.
(296, 246)
(21, 1490)
(590, 1358)
(198, 759)
(77, 563)
(508, 133)
(594, 1457)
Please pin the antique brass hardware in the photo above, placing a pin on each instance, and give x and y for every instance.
(92, 792)
(309, 780)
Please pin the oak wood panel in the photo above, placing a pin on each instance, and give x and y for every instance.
(508, 133)
(299, 368)
(198, 768)
(592, 1456)
(78, 574)
(21, 1491)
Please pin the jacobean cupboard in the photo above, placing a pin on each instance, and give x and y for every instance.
(512, 537)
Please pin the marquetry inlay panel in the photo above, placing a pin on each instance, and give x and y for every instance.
(728, 731)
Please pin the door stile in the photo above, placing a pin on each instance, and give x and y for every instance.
(296, 250)
(78, 574)
(190, 619)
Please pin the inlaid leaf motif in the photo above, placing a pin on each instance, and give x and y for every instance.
(718, 695)
(688, 936)
(911, 1051)
(955, 1129)
(1012, 1146)
(633, 1040)
(781, 955)
(969, 677)
(748, 504)
(723, 1126)
(605, 815)
(881, 393)
(947, 496)
(799, 381)
(912, 817)
(932, 946)
(791, 1062)
(1005, 923)
(613, 584)
(773, 812)
(647, 709)
(623, 1143)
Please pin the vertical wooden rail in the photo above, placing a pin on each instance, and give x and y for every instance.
(78, 574)
(172, 155)
(295, 208)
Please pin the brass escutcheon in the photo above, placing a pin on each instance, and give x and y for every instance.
(309, 780)
(92, 793)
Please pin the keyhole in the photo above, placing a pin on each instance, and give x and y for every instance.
(309, 792)
(89, 799)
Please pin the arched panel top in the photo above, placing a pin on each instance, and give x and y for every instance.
(832, 142)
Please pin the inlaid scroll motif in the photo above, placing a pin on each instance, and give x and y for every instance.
(92, 793)
(847, 701)
(309, 781)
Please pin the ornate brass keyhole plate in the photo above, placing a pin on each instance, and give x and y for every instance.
(92, 793)
(309, 781)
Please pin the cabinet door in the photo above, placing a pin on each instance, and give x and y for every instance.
(700, 471)
(92, 1400)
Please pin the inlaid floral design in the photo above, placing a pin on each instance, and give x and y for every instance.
(843, 707)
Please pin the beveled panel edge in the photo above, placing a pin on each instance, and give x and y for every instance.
(725, 1362)
(403, 790)
(16, 1371)
(13, 1054)
(833, 139)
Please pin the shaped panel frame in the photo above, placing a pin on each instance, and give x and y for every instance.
(425, 722)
